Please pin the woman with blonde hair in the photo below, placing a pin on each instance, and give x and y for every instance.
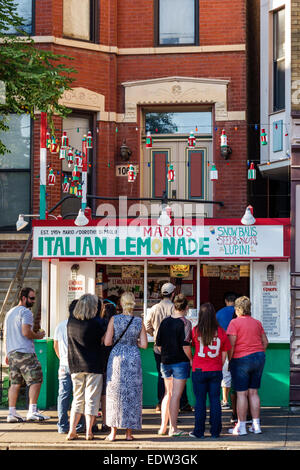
(126, 334)
(249, 342)
(85, 331)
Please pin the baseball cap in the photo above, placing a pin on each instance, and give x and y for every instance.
(167, 288)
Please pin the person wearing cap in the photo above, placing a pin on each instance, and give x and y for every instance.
(156, 315)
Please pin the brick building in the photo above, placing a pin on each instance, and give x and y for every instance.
(168, 67)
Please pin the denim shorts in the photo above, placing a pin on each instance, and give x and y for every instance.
(246, 371)
(180, 370)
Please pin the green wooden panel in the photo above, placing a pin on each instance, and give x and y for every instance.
(49, 362)
(275, 384)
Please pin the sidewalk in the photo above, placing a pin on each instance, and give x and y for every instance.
(280, 426)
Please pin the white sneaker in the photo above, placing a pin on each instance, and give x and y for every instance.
(36, 416)
(236, 431)
(255, 430)
(15, 418)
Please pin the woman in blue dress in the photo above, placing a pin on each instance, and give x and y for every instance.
(124, 370)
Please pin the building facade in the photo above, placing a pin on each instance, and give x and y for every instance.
(161, 85)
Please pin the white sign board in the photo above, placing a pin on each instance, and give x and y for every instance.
(155, 241)
(271, 298)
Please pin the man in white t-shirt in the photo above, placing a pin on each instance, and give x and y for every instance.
(21, 357)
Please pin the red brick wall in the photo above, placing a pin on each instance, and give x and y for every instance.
(131, 24)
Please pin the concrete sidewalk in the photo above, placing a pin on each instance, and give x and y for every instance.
(280, 426)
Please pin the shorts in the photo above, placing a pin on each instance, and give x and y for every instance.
(247, 371)
(226, 381)
(87, 389)
(24, 366)
(180, 370)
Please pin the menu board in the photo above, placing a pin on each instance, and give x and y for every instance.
(270, 292)
(270, 298)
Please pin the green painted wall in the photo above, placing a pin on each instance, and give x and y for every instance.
(275, 384)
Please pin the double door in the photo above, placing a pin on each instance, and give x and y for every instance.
(191, 180)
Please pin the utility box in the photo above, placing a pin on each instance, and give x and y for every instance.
(49, 361)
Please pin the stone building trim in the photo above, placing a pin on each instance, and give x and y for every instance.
(179, 90)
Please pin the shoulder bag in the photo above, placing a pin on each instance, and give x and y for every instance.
(128, 324)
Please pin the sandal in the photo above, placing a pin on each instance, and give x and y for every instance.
(129, 438)
(89, 437)
(179, 434)
(161, 433)
(71, 437)
(109, 439)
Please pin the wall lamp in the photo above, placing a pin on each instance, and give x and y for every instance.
(248, 218)
(22, 223)
(226, 151)
(81, 220)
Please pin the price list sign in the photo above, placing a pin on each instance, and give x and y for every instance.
(271, 307)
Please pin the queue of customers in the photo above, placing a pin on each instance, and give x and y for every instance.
(100, 363)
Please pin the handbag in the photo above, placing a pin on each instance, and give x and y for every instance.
(128, 324)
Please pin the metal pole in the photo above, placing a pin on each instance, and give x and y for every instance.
(84, 174)
(43, 166)
(145, 288)
(198, 284)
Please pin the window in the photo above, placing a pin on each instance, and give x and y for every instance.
(178, 122)
(25, 11)
(278, 136)
(177, 22)
(76, 125)
(15, 171)
(80, 20)
(279, 60)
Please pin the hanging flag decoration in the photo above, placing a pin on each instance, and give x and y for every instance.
(51, 178)
(48, 140)
(131, 174)
(192, 140)
(64, 141)
(63, 154)
(70, 157)
(78, 159)
(251, 172)
(213, 173)
(148, 140)
(79, 191)
(54, 146)
(224, 139)
(264, 137)
(65, 185)
(171, 173)
(73, 188)
(89, 140)
(75, 173)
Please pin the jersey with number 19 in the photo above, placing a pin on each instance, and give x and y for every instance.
(209, 358)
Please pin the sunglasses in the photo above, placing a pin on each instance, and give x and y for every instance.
(31, 298)
(109, 302)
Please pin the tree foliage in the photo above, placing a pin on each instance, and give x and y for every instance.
(160, 123)
(31, 79)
